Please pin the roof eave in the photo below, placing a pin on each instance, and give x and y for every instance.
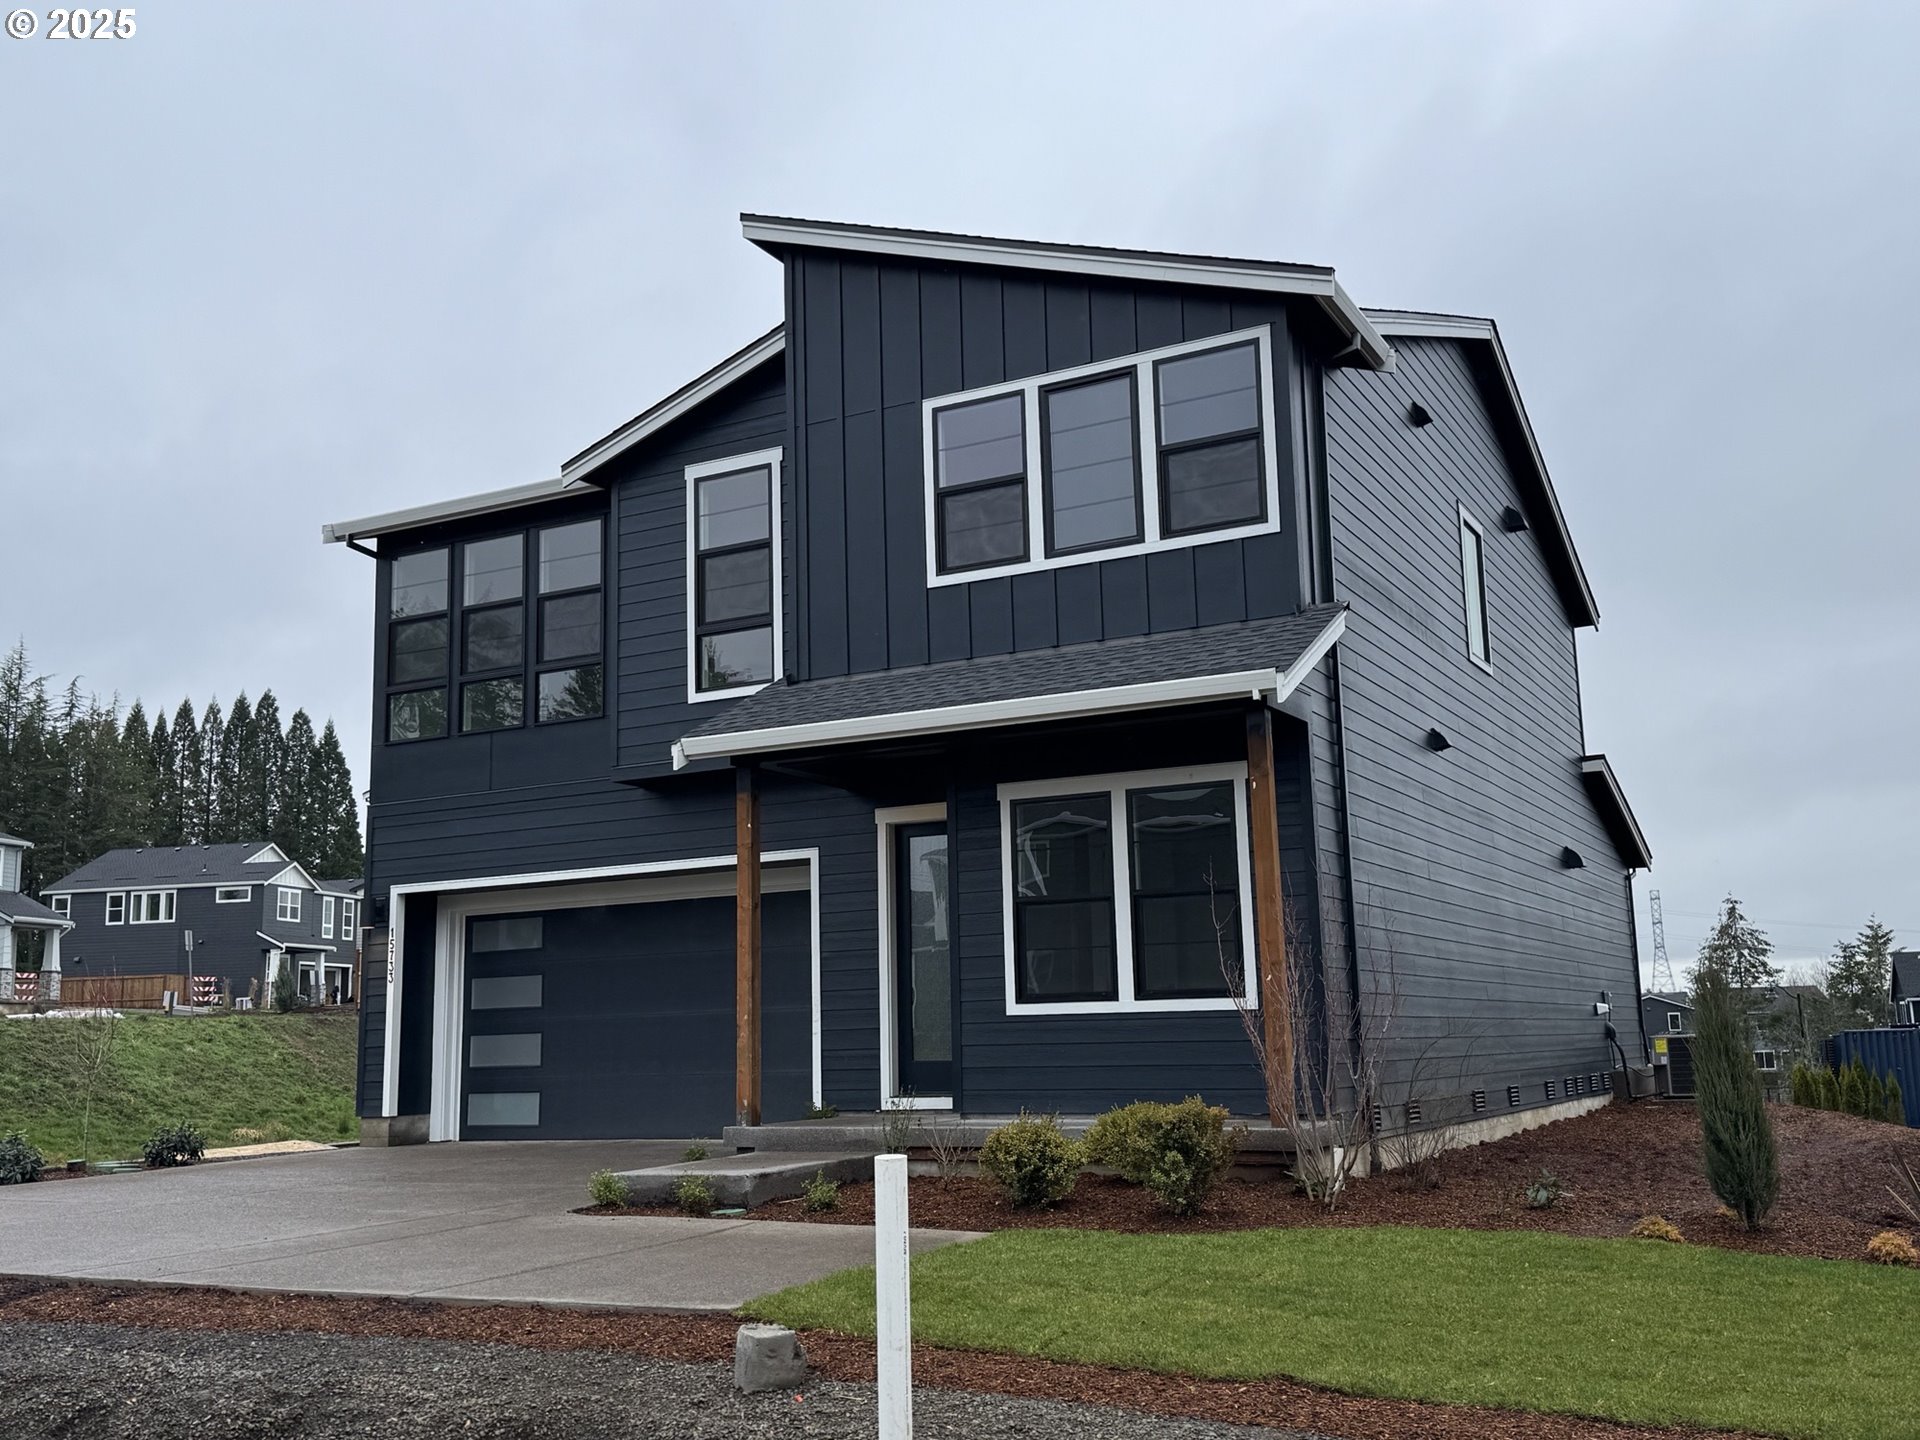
(462, 508)
(771, 232)
(1636, 852)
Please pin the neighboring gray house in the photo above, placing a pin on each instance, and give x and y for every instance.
(1666, 1012)
(972, 692)
(252, 914)
(1906, 987)
(20, 913)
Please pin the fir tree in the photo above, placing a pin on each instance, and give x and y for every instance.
(164, 802)
(1860, 976)
(294, 826)
(236, 762)
(1737, 951)
(1737, 1137)
(136, 750)
(265, 758)
(188, 822)
(340, 854)
(212, 736)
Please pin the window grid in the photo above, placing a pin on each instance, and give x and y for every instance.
(734, 641)
(117, 909)
(287, 906)
(150, 907)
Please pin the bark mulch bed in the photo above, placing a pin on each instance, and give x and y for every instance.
(701, 1339)
(1615, 1164)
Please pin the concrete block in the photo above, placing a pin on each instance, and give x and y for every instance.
(385, 1130)
(767, 1357)
(746, 1180)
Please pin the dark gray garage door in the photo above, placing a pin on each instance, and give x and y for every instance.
(617, 1021)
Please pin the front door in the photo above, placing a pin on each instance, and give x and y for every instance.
(923, 983)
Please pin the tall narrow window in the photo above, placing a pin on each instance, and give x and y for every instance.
(326, 917)
(733, 580)
(493, 624)
(417, 645)
(1186, 892)
(570, 684)
(1209, 436)
(980, 470)
(116, 909)
(1090, 464)
(1473, 580)
(346, 920)
(1063, 924)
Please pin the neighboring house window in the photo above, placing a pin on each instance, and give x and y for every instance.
(493, 625)
(346, 920)
(116, 909)
(62, 906)
(326, 917)
(233, 894)
(1767, 1059)
(151, 907)
(1912, 1010)
(417, 646)
(1149, 916)
(288, 906)
(1165, 448)
(733, 575)
(571, 683)
(1675, 1021)
(1473, 580)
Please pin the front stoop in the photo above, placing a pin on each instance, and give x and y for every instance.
(747, 1180)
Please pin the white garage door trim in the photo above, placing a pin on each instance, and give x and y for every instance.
(653, 882)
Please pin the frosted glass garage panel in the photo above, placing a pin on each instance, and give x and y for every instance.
(487, 1051)
(504, 1107)
(506, 992)
(509, 932)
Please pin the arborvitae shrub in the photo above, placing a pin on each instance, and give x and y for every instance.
(1853, 1091)
(1800, 1085)
(1896, 1103)
(1736, 1136)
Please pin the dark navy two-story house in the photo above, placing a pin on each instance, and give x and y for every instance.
(992, 688)
(239, 915)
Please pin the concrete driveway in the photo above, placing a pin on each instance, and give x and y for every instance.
(470, 1222)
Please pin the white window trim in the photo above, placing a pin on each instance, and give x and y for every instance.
(136, 908)
(891, 1097)
(772, 459)
(347, 918)
(1676, 1022)
(1773, 1055)
(1148, 468)
(1468, 521)
(280, 905)
(61, 905)
(121, 896)
(1117, 785)
(326, 917)
(232, 894)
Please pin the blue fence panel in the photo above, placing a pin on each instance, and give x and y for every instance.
(1885, 1052)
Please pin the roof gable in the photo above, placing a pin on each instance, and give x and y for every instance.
(181, 865)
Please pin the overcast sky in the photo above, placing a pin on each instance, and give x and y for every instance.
(268, 265)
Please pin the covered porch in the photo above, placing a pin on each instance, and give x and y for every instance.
(21, 916)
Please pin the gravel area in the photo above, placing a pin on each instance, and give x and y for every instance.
(116, 1383)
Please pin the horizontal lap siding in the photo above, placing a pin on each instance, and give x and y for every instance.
(872, 341)
(1495, 952)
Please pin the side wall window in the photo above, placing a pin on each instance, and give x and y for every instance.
(733, 575)
(1473, 583)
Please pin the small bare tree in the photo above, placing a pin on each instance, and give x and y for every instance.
(90, 1060)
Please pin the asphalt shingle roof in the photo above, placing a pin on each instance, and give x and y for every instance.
(1906, 973)
(1144, 659)
(14, 906)
(172, 865)
(341, 887)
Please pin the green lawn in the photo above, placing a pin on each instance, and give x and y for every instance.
(1627, 1330)
(288, 1076)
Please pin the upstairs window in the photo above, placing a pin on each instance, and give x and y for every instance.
(733, 576)
(1167, 448)
(417, 646)
(347, 918)
(1675, 1022)
(326, 917)
(569, 682)
(232, 894)
(116, 909)
(287, 906)
(62, 905)
(1473, 581)
(493, 634)
(151, 907)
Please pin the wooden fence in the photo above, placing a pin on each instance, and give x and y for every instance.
(121, 992)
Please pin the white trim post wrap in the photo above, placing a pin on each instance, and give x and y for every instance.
(892, 1297)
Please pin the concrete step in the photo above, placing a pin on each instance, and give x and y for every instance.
(748, 1180)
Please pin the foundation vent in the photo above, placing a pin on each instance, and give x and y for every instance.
(1513, 1096)
(1479, 1101)
(1550, 1089)
(1573, 1084)
(1413, 1112)
(1595, 1087)
(1377, 1118)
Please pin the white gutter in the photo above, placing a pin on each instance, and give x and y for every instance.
(485, 503)
(280, 944)
(1272, 684)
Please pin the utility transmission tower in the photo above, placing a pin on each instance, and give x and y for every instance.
(1662, 967)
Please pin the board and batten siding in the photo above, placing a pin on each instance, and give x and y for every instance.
(868, 341)
(1496, 952)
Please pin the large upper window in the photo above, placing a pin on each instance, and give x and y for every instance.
(733, 575)
(417, 642)
(493, 633)
(151, 907)
(1473, 583)
(1126, 892)
(287, 905)
(570, 681)
(1167, 448)
(62, 905)
(117, 909)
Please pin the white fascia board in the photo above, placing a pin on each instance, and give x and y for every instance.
(1316, 282)
(674, 406)
(1271, 684)
(280, 878)
(464, 508)
(280, 944)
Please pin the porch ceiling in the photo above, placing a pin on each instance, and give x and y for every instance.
(1260, 658)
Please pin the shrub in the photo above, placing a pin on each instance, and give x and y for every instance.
(1031, 1160)
(1876, 1097)
(1890, 1247)
(693, 1194)
(693, 1153)
(1827, 1086)
(1802, 1089)
(173, 1145)
(1896, 1102)
(822, 1112)
(606, 1188)
(1653, 1227)
(820, 1194)
(20, 1162)
(1545, 1192)
(1853, 1090)
(1179, 1152)
(1742, 1165)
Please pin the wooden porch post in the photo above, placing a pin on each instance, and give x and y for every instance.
(1269, 916)
(746, 957)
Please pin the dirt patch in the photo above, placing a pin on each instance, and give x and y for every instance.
(1615, 1164)
(709, 1339)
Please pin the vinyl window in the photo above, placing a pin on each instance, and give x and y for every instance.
(347, 918)
(493, 634)
(62, 905)
(418, 617)
(150, 907)
(733, 575)
(1127, 892)
(1767, 1059)
(1165, 448)
(1473, 583)
(287, 906)
(232, 894)
(116, 909)
(570, 673)
(1676, 1022)
(326, 917)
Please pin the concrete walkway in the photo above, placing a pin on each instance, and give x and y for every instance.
(469, 1222)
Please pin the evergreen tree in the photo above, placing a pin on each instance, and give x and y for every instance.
(1876, 1096)
(264, 760)
(188, 821)
(1896, 1102)
(212, 736)
(1736, 1135)
(1853, 1089)
(341, 854)
(1737, 951)
(164, 803)
(294, 813)
(1860, 977)
(136, 749)
(236, 760)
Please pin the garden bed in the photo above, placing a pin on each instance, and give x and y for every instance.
(1616, 1165)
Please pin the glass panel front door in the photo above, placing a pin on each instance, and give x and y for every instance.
(923, 986)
